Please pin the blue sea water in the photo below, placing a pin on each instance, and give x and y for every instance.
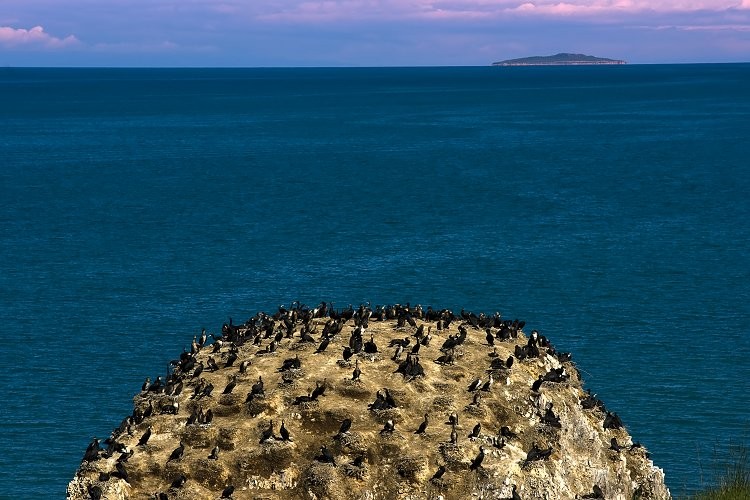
(607, 207)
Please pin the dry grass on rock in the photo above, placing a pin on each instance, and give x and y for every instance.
(370, 461)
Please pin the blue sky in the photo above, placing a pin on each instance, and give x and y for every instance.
(366, 32)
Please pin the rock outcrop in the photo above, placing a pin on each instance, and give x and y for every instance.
(309, 404)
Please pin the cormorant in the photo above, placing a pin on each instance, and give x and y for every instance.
(214, 453)
(507, 433)
(439, 473)
(228, 491)
(95, 491)
(422, 426)
(488, 385)
(596, 493)
(145, 437)
(345, 426)
(388, 427)
(323, 345)
(348, 353)
(177, 453)
(476, 384)
(477, 462)
(120, 472)
(212, 364)
(357, 372)
(475, 431)
(325, 456)
(231, 385)
(613, 445)
(537, 384)
(267, 434)
(284, 433)
(370, 346)
(179, 482)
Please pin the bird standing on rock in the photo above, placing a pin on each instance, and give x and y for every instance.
(477, 462)
(422, 426)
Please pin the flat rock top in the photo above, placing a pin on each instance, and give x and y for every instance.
(546, 441)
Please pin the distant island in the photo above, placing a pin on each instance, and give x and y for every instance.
(562, 59)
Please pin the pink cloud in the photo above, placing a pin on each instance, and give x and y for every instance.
(36, 36)
(324, 10)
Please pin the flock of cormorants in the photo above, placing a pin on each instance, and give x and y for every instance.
(299, 323)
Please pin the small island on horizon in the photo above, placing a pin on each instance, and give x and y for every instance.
(561, 59)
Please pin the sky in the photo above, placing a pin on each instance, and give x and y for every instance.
(252, 33)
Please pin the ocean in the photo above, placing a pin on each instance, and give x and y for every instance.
(606, 206)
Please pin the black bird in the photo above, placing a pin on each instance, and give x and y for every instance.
(536, 453)
(92, 452)
(319, 390)
(198, 369)
(207, 390)
(515, 495)
(422, 426)
(477, 462)
(612, 421)
(231, 385)
(345, 426)
(550, 418)
(348, 353)
(255, 390)
(490, 337)
(454, 435)
(370, 346)
(596, 493)
(95, 491)
(267, 434)
(452, 419)
(214, 453)
(613, 445)
(475, 431)
(323, 345)
(439, 473)
(212, 364)
(537, 384)
(388, 427)
(476, 399)
(145, 437)
(507, 433)
(179, 482)
(177, 453)
(291, 363)
(161, 496)
(488, 385)
(357, 372)
(325, 456)
(284, 433)
(230, 359)
(475, 385)
(228, 491)
(358, 461)
(120, 472)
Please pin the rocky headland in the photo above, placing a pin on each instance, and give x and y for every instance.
(389, 402)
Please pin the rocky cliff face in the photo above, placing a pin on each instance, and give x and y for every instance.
(215, 424)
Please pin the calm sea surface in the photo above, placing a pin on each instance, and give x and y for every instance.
(608, 207)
